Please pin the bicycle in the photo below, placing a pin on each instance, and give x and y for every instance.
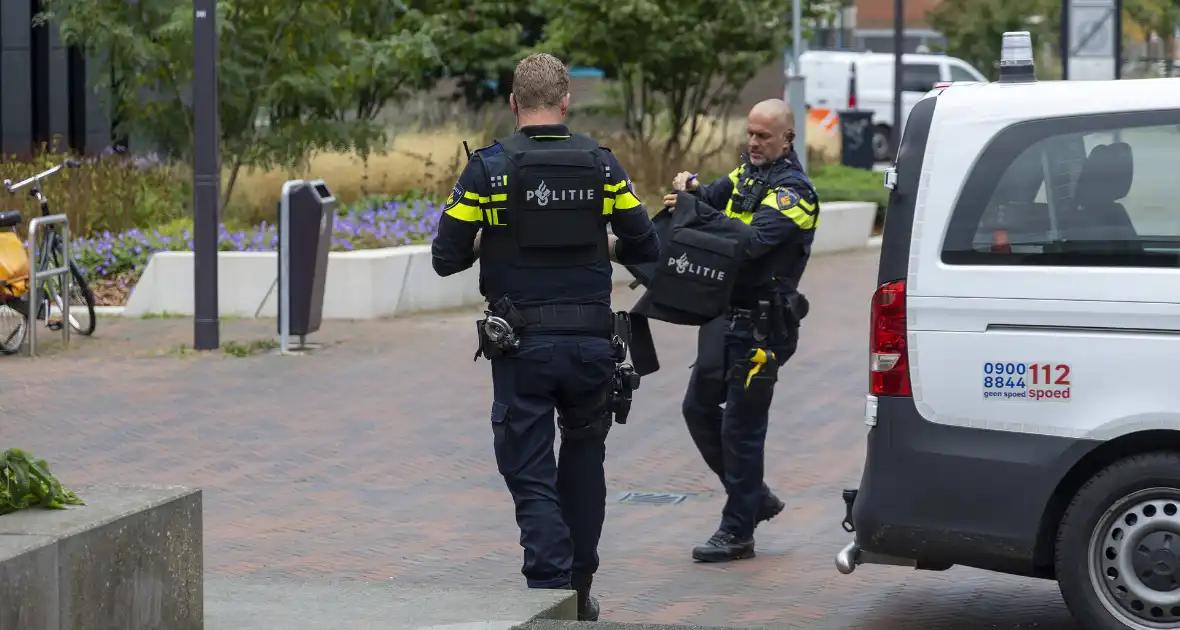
(14, 291)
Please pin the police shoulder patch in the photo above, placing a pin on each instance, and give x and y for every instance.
(786, 198)
(455, 197)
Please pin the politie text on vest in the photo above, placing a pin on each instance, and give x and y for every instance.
(684, 265)
(543, 195)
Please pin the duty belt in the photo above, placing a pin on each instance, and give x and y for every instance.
(573, 319)
(761, 320)
(740, 316)
(500, 331)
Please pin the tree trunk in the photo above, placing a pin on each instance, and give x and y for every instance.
(1169, 53)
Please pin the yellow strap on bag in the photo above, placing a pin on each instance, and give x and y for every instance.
(14, 259)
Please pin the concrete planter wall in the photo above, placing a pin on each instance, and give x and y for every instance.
(844, 226)
(394, 281)
(131, 558)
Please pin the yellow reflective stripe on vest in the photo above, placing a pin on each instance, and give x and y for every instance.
(619, 196)
(802, 212)
(743, 217)
(467, 210)
(735, 175)
(470, 207)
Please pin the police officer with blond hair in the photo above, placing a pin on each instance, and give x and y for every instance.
(534, 209)
(727, 404)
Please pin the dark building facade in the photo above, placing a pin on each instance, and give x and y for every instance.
(46, 89)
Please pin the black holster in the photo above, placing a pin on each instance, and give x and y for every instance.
(625, 379)
(768, 324)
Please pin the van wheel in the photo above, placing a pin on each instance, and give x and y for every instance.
(882, 143)
(1118, 546)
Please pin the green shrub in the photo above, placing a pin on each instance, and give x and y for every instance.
(111, 192)
(844, 183)
(836, 182)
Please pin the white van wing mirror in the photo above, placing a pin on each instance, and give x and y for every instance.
(891, 177)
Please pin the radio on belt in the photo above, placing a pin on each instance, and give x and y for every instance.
(1022, 403)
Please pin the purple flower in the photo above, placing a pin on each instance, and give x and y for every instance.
(108, 256)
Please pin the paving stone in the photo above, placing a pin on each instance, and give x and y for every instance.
(371, 458)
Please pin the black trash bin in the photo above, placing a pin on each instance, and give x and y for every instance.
(856, 138)
(312, 209)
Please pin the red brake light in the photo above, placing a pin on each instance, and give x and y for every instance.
(942, 84)
(889, 373)
(852, 86)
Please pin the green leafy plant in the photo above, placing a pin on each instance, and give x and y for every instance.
(676, 64)
(293, 77)
(25, 482)
(112, 191)
(975, 30)
(836, 182)
(240, 349)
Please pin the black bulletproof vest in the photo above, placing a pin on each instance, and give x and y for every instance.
(693, 280)
(553, 205)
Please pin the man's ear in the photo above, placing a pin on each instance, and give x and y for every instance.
(512, 103)
(565, 103)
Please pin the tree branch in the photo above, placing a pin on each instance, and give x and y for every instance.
(252, 108)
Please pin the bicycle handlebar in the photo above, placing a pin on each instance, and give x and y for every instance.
(11, 187)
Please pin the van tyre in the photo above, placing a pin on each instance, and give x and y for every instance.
(1118, 546)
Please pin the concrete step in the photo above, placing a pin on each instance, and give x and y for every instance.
(253, 604)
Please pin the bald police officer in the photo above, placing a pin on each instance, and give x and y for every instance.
(534, 208)
(769, 192)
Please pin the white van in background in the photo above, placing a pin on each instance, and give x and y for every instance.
(827, 74)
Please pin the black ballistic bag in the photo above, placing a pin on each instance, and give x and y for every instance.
(691, 283)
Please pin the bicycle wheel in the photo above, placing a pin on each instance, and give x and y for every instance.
(82, 318)
(13, 326)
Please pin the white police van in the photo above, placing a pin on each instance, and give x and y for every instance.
(1024, 396)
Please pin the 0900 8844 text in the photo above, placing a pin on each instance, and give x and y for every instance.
(1040, 381)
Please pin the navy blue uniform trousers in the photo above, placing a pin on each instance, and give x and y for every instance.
(729, 428)
(560, 503)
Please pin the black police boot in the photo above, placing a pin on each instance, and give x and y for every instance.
(723, 547)
(587, 604)
(771, 507)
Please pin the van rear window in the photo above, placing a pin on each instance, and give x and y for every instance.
(1073, 192)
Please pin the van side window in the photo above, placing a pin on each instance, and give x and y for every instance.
(1099, 196)
(919, 77)
(959, 73)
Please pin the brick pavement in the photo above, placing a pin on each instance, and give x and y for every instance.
(372, 459)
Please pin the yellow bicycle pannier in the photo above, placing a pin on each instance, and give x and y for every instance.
(14, 261)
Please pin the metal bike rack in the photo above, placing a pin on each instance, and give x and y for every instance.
(36, 276)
